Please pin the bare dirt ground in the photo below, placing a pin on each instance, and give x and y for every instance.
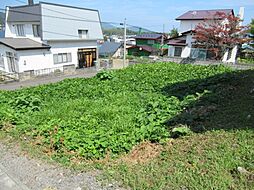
(39, 175)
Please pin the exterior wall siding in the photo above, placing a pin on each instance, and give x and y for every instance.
(140, 42)
(55, 28)
(28, 29)
(34, 60)
(137, 52)
(70, 47)
(42, 59)
(187, 25)
(3, 50)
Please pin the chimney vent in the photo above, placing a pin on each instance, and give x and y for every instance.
(30, 2)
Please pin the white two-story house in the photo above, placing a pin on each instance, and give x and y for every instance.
(45, 35)
(182, 46)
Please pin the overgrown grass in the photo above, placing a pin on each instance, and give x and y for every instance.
(246, 61)
(200, 161)
(108, 115)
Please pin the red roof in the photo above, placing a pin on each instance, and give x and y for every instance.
(203, 14)
(177, 42)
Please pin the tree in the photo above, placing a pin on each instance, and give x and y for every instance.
(224, 32)
(173, 33)
(252, 27)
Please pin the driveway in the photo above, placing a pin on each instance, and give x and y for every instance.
(45, 80)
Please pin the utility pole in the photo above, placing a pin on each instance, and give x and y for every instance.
(162, 39)
(124, 44)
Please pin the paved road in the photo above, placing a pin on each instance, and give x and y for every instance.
(8, 182)
(44, 80)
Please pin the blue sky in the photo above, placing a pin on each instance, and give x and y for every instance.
(149, 14)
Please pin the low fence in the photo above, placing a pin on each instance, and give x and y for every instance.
(8, 77)
(55, 71)
(62, 70)
(113, 63)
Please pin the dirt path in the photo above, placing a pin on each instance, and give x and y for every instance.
(17, 167)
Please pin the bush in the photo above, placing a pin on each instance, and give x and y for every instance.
(105, 75)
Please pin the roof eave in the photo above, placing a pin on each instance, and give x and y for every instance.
(147, 38)
(177, 44)
(27, 48)
(67, 6)
(31, 48)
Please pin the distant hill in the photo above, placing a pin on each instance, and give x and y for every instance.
(111, 29)
(2, 20)
(2, 17)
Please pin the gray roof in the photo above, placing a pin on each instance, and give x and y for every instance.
(109, 48)
(28, 13)
(31, 13)
(22, 44)
(203, 14)
(148, 36)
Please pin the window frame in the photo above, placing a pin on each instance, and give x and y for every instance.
(178, 55)
(12, 59)
(58, 58)
(36, 30)
(20, 29)
(151, 42)
(82, 34)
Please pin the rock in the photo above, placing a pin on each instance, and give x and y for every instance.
(242, 170)
(110, 185)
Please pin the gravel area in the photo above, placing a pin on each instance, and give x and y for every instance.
(38, 175)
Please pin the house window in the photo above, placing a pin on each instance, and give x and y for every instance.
(178, 51)
(11, 61)
(36, 30)
(151, 42)
(20, 30)
(2, 62)
(62, 58)
(83, 34)
(229, 53)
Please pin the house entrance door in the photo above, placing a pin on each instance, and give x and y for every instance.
(86, 57)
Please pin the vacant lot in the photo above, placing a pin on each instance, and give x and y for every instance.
(106, 116)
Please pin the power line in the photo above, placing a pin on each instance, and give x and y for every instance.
(20, 1)
(78, 16)
(69, 35)
(101, 22)
(75, 18)
(63, 18)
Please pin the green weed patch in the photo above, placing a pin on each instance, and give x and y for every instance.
(112, 112)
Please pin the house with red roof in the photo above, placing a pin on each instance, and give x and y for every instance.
(182, 46)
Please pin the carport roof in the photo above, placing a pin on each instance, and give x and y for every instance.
(23, 44)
